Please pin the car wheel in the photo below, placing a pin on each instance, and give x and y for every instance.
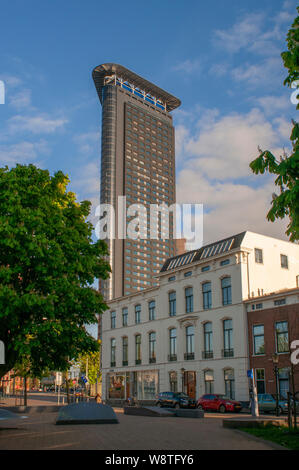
(222, 409)
(280, 411)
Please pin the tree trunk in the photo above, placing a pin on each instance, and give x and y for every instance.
(67, 387)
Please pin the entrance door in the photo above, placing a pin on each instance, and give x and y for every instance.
(190, 383)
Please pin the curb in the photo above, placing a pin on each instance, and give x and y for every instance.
(33, 409)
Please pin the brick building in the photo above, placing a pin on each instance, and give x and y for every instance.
(273, 324)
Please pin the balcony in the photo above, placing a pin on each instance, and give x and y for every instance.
(189, 356)
(125, 363)
(227, 353)
(137, 362)
(152, 360)
(172, 357)
(207, 354)
(112, 364)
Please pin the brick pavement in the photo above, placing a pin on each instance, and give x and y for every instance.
(132, 433)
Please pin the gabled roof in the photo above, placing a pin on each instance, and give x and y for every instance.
(103, 70)
(207, 251)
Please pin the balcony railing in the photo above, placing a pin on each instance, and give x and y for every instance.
(172, 357)
(189, 356)
(152, 360)
(112, 364)
(125, 363)
(227, 353)
(138, 361)
(207, 354)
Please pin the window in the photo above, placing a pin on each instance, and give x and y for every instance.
(209, 381)
(152, 347)
(229, 383)
(189, 342)
(138, 349)
(224, 262)
(228, 338)
(172, 345)
(205, 268)
(226, 291)
(125, 351)
(173, 381)
(283, 382)
(137, 313)
(282, 337)
(208, 341)
(125, 316)
(258, 253)
(172, 303)
(284, 261)
(280, 302)
(171, 278)
(260, 380)
(113, 320)
(188, 274)
(207, 295)
(113, 350)
(258, 340)
(189, 299)
(151, 310)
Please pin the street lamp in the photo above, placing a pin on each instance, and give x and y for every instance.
(275, 364)
(182, 372)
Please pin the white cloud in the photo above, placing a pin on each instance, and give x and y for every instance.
(274, 104)
(224, 148)
(22, 152)
(36, 124)
(21, 99)
(88, 142)
(266, 73)
(189, 66)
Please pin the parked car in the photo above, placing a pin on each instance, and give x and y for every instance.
(267, 404)
(175, 400)
(216, 402)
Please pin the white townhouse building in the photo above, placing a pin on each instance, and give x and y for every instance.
(190, 332)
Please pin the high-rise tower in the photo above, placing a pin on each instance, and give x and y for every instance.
(138, 161)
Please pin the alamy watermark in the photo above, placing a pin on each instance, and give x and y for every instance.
(294, 96)
(151, 221)
(295, 354)
(2, 92)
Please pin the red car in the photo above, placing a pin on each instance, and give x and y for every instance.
(219, 403)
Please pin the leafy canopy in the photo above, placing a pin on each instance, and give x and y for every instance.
(287, 168)
(48, 263)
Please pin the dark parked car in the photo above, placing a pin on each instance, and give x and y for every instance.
(216, 402)
(175, 400)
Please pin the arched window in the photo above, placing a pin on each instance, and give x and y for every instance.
(229, 383)
(152, 310)
(208, 340)
(226, 291)
(189, 343)
(228, 350)
(209, 381)
(207, 295)
(189, 299)
(125, 351)
(138, 349)
(172, 345)
(152, 347)
(137, 313)
(113, 352)
(172, 303)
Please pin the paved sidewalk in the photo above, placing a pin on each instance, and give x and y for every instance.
(39, 432)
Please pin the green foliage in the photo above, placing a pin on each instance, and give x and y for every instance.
(287, 169)
(48, 262)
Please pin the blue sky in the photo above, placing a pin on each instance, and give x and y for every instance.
(222, 59)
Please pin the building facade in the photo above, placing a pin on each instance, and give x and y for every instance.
(190, 331)
(273, 324)
(137, 167)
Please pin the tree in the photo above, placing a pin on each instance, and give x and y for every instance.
(48, 263)
(286, 168)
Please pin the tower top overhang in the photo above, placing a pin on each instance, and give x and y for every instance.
(102, 72)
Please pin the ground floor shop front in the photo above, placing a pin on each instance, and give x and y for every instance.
(144, 385)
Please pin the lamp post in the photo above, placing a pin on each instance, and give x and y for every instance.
(275, 364)
(182, 372)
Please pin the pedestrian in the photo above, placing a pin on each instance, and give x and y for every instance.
(98, 398)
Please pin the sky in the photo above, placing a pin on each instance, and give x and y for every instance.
(221, 59)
